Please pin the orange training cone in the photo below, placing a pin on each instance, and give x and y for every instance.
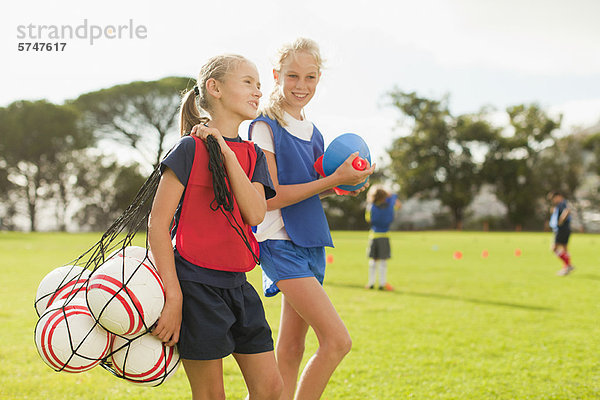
(518, 252)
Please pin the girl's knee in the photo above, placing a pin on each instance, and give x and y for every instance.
(270, 389)
(277, 385)
(337, 347)
(344, 345)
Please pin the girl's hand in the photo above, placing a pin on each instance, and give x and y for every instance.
(202, 131)
(196, 130)
(356, 192)
(169, 324)
(346, 174)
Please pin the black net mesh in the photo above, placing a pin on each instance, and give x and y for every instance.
(118, 237)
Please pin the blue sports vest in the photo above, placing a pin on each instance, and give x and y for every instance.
(305, 222)
(382, 217)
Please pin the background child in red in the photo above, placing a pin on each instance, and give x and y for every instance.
(560, 222)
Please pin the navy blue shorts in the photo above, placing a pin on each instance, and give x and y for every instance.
(282, 259)
(217, 322)
(562, 236)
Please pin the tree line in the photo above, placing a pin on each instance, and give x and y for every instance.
(58, 162)
(452, 158)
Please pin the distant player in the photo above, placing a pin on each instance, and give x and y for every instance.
(380, 214)
(560, 222)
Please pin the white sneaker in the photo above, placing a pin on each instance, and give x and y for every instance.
(565, 271)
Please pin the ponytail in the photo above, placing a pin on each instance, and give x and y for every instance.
(189, 114)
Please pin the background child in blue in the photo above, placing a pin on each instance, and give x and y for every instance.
(380, 214)
(560, 222)
(295, 231)
(211, 311)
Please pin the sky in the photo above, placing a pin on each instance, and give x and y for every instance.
(480, 53)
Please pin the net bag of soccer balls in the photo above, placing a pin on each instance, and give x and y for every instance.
(102, 313)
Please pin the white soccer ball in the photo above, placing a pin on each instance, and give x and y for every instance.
(59, 284)
(137, 252)
(69, 339)
(125, 295)
(144, 360)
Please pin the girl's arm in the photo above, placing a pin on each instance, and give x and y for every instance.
(249, 196)
(165, 203)
(397, 205)
(292, 194)
(563, 216)
(368, 213)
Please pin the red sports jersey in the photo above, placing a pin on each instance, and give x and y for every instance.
(205, 237)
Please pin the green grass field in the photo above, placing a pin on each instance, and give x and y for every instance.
(503, 327)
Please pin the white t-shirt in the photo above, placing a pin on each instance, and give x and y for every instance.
(272, 226)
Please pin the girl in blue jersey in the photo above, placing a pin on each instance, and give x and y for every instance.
(211, 311)
(293, 235)
(381, 206)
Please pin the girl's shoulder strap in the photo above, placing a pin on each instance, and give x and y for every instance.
(244, 143)
(263, 117)
(273, 124)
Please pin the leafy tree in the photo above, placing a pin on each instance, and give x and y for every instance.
(592, 143)
(435, 161)
(562, 165)
(105, 190)
(512, 162)
(137, 114)
(7, 211)
(7, 206)
(33, 136)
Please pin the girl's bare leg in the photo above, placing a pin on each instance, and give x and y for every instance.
(206, 378)
(308, 298)
(290, 347)
(261, 375)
